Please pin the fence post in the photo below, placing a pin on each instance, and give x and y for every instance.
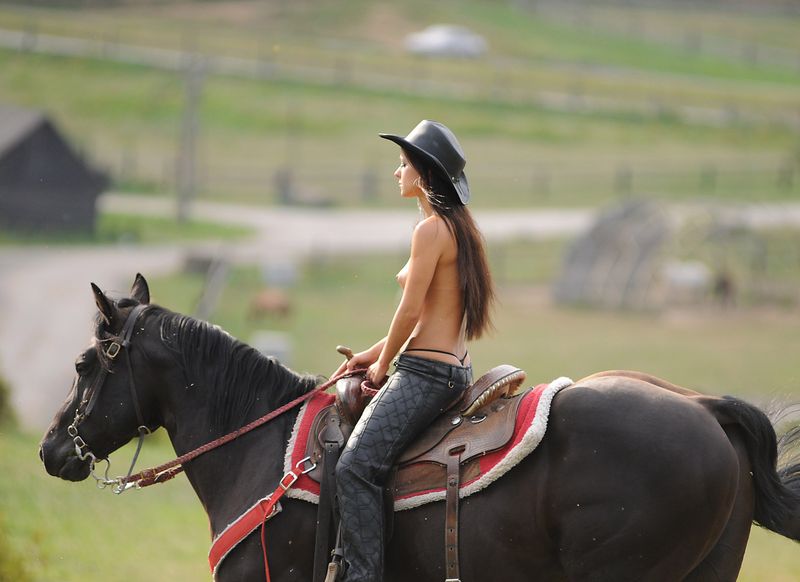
(693, 41)
(128, 165)
(623, 180)
(785, 178)
(369, 184)
(186, 167)
(283, 185)
(343, 72)
(541, 183)
(708, 177)
(750, 53)
(29, 38)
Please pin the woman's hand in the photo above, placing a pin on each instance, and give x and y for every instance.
(360, 360)
(376, 373)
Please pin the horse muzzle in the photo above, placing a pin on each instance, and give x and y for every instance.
(60, 460)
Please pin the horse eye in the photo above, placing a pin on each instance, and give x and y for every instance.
(81, 365)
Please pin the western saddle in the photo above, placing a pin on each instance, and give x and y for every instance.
(482, 420)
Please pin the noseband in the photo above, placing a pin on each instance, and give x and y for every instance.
(90, 398)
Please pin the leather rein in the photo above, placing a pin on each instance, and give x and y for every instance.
(165, 471)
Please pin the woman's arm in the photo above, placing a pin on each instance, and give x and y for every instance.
(427, 246)
(362, 359)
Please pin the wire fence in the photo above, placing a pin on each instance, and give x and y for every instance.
(135, 167)
(501, 80)
(642, 24)
(510, 185)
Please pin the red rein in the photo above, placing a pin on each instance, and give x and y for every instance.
(167, 471)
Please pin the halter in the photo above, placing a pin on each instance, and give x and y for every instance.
(171, 469)
(90, 397)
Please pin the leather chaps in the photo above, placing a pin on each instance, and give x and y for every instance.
(418, 392)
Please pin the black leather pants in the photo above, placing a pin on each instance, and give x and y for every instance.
(418, 391)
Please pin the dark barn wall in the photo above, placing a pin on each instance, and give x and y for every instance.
(44, 185)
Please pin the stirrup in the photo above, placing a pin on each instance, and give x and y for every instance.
(336, 567)
(334, 572)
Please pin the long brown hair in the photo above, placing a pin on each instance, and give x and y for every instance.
(475, 279)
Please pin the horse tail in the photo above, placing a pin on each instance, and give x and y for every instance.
(777, 488)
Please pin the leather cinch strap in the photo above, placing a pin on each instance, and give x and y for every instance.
(451, 513)
(332, 441)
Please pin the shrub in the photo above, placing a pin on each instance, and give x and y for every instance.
(12, 563)
(7, 416)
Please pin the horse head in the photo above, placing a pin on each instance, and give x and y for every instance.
(112, 398)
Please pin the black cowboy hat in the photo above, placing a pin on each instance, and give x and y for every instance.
(437, 144)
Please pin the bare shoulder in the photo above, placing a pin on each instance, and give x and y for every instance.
(432, 237)
(432, 229)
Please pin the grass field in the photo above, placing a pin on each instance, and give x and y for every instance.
(73, 532)
(525, 114)
(744, 351)
(573, 107)
(128, 228)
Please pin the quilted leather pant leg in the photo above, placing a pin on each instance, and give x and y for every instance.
(413, 396)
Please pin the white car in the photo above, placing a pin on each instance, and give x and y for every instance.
(446, 40)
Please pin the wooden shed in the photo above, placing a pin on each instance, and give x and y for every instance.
(44, 183)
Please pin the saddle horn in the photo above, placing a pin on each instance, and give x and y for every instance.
(345, 351)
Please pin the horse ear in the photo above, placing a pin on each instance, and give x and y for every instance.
(140, 290)
(103, 303)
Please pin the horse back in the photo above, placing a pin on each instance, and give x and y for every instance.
(641, 478)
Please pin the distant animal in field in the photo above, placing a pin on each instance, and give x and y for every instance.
(270, 301)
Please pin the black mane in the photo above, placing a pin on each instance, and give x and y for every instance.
(232, 374)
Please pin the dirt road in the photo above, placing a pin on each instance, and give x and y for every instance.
(46, 305)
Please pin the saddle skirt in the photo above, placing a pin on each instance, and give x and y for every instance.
(495, 438)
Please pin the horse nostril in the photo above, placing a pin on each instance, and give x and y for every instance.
(41, 453)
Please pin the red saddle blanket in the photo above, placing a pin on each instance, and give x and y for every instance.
(529, 429)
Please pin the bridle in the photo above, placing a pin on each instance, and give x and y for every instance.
(90, 397)
(172, 468)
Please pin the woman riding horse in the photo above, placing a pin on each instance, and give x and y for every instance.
(447, 295)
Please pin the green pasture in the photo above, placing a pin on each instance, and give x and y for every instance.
(74, 532)
(572, 108)
(373, 32)
(525, 149)
(130, 228)
(525, 155)
(744, 350)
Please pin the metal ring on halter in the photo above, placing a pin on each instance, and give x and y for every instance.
(119, 488)
(80, 444)
(104, 481)
(86, 405)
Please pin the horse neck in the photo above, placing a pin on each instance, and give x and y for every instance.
(230, 479)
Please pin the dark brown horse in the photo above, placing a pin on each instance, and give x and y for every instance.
(636, 479)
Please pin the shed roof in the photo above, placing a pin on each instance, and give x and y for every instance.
(16, 123)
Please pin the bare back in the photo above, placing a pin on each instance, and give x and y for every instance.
(440, 325)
